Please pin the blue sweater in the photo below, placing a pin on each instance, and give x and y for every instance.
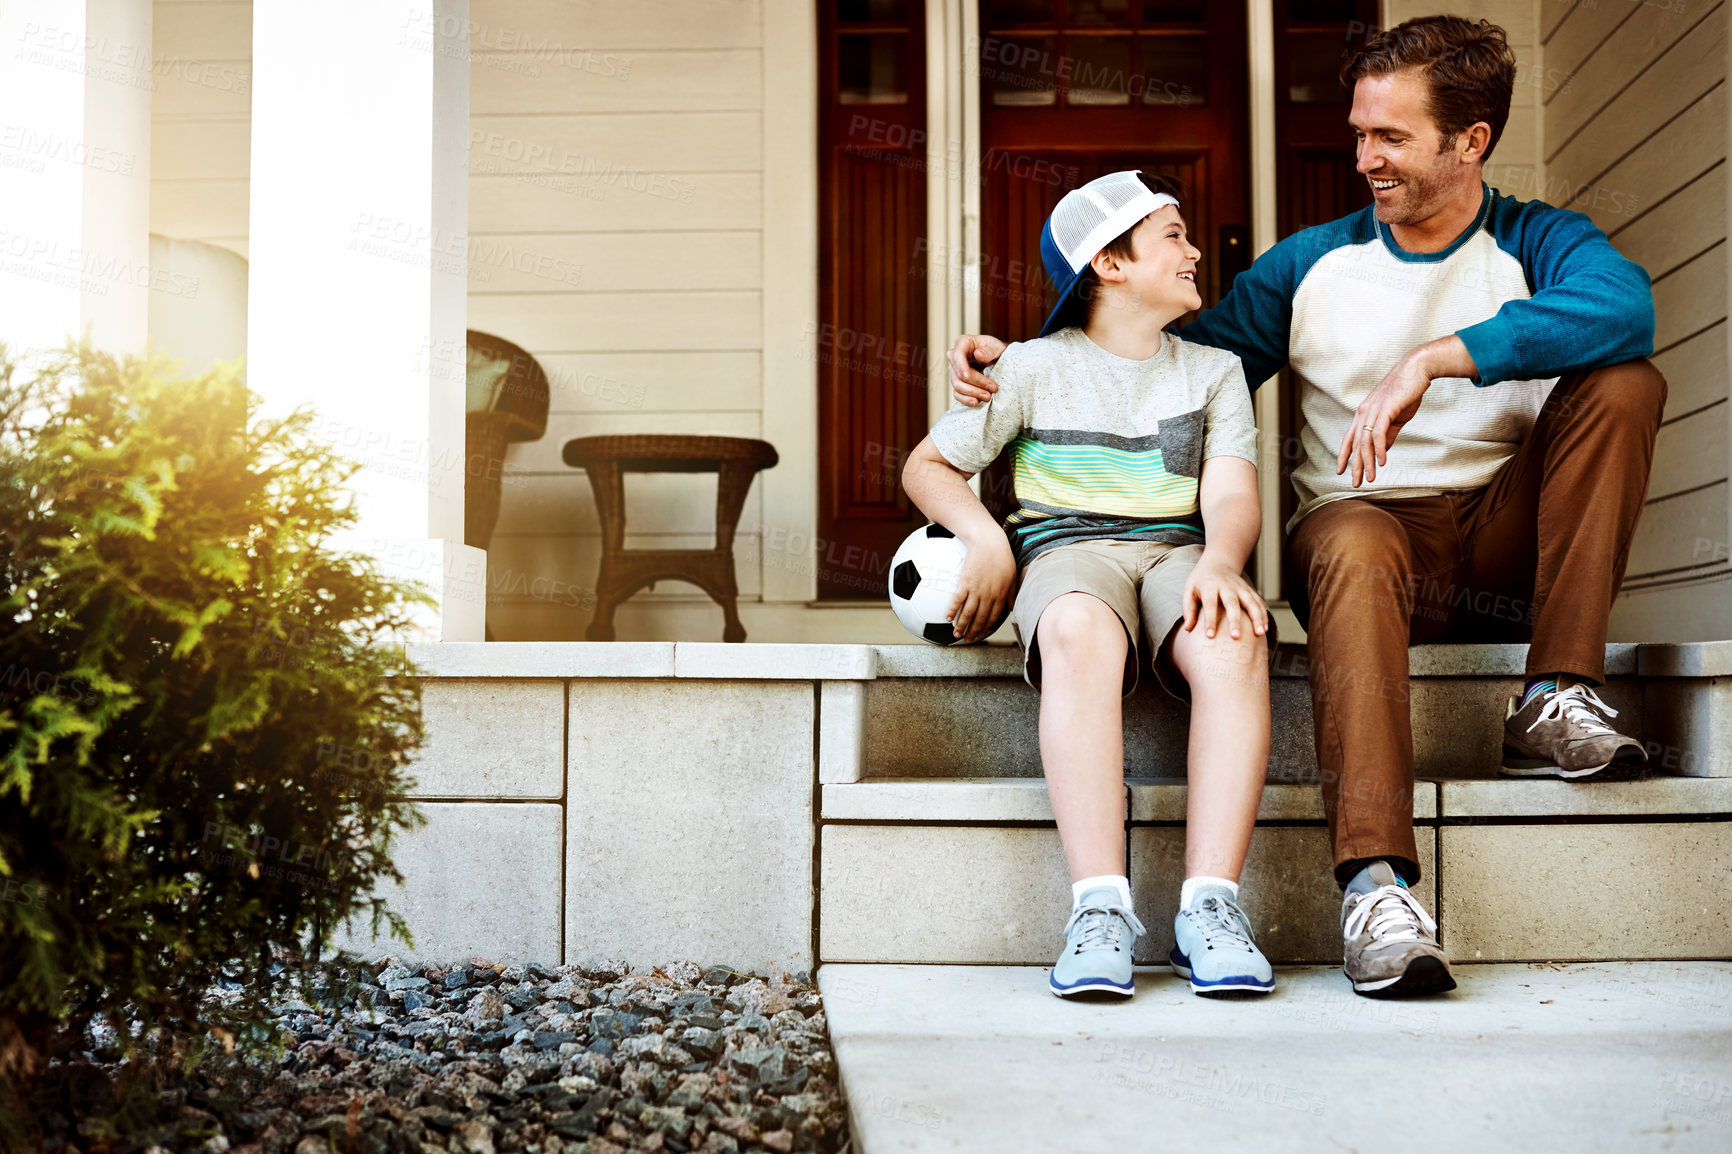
(1535, 292)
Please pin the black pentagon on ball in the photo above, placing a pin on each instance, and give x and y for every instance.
(937, 530)
(939, 633)
(905, 580)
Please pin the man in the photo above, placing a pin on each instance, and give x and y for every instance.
(1478, 425)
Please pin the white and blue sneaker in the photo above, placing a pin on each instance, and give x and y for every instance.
(1097, 947)
(1214, 948)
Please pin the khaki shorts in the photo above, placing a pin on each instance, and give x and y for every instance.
(1142, 581)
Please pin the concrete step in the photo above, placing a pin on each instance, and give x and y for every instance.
(933, 712)
(971, 870)
(983, 1060)
(674, 793)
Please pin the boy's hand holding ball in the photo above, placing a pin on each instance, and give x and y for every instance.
(982, 588)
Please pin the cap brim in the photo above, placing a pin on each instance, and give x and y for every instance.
(1065, 313)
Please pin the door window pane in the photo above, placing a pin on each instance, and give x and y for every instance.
(1098, 11)
(871, 68)
(1021, 70)
(1175, 69)
(1336, 11)
(1314, 68)
(1008, 13)
(873, 10)
(1100, 70)
(1172, 12)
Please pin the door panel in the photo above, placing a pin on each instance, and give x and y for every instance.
(870, 345)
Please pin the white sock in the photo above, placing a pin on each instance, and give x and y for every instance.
(1118, 881)
(1188, 890)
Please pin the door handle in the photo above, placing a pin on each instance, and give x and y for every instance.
(1235, 255)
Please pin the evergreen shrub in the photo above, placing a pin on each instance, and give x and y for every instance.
(205, 716)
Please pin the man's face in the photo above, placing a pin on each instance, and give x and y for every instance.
(1399, 150)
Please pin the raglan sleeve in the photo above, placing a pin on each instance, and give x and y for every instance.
(971, 437)
(1591, 306)
(1254, 320)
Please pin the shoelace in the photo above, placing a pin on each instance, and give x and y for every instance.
(1103, 930)
(1391, 914)
(1577, 704)
(1222, 923)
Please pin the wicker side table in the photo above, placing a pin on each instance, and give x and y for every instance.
(735, 460)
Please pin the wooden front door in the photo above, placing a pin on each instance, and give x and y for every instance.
(1073, 89)
(871, 340)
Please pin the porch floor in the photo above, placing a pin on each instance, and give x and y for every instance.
(1596, 1056)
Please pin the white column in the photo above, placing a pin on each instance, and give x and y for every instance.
(358, 242)
(790, 266)
(74, 173)
(1260, 42)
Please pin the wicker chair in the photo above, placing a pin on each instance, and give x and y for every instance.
(518, 413)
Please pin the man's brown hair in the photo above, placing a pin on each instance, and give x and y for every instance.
(1467, 65)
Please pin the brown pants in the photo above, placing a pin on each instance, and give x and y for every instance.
(1537, 554)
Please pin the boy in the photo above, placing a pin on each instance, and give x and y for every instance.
(1136, 483)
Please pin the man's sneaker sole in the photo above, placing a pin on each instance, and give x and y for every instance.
(1628, 765)
(1241, 984)
(1423, 975)
(1091, 986)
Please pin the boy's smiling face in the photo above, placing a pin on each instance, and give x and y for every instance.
(1162, 277)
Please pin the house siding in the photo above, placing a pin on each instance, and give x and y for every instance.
(1637, 140)
(616, 215)
(201, 120)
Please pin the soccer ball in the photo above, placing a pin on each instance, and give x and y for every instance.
(923, 577)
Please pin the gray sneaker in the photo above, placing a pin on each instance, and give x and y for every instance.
(1564, 734)
(1388, 942)
(1097, 947)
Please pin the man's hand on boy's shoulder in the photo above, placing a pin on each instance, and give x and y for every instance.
(1218, 596)
(967, 382)
(982, 588)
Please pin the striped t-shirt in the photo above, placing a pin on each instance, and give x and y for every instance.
(1103, 446)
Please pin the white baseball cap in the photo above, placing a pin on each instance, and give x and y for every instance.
(1085, 221)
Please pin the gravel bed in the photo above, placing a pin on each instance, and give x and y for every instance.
(481, 1058)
